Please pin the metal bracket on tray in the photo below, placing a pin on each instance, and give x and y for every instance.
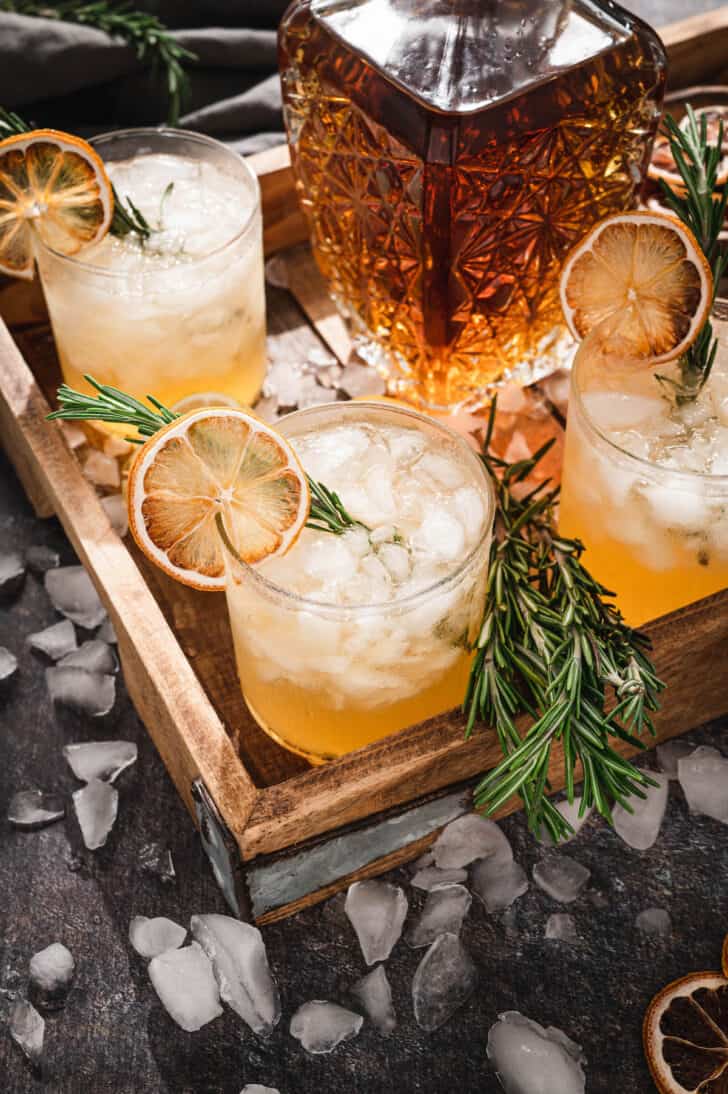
(222, 851)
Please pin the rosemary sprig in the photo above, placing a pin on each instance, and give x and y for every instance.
(698, 162)
(147, 35)
(553, 646)
(327, 512)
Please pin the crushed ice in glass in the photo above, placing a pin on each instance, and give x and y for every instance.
(150, 937)
(561, 877)
(498, 884)
(91, 693)
(469, 838)
(27, 1029)
(73, 595)
(39, 559)
(12, 574)
(669, 754)
(375, 996)
(8, 664)
(641, 827)
(704, 778)
(55, 641)
(357, 380)
(35, 809)
(561, 927)
(100, 759)
(445, 979)
(93, 656)
(443, 913)
(155, 858)
(376, 911)
(654, 921)
(432, 877)
(530, 1058)
(240, 966)
(51, 974)
(96, 806)
(187, 989)
(322, 1026)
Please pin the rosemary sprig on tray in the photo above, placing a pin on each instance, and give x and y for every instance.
(146, 34)
(327, 512)
(698, 162)
(552, 646)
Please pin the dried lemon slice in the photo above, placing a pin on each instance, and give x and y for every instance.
(641, 282)
(685, 1035)
(209, 462)
(54, 184)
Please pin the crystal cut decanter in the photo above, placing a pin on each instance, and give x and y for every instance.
(447, 154)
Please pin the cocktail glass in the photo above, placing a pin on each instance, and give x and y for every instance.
(645, 480)
(347, 639)
(183, 313)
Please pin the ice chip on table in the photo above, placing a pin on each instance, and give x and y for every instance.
(93, 656)
(375, 996)
(321, 1027)
(27, 1029)
(561, 927)
(704, 778)
(51, 974)
(284, 381)
(72, 594)
(468, 838)
(73, 434)
(156, 859)
(100, 759)
(498, 884)
(91, 693)
(531, 1059)
(39, 559)
(256, 1088)
(8, 664)
(641, 827)
(670, 753)
(357, 380)
(426, 859)
(654, 921)
(267, 408)
(376, 911)
(117, 446)
(187, 989)
(35, 809)
(445, 979)
(561, 877)
(440, 536)
(432, 877)
(106, 633)
(100, 469)
(117, 512)
(276, 272)
(570, 813)
(96, 806)
(150, 937)
(55, 641)
(12, 573)
(443, 913)
(240, 965)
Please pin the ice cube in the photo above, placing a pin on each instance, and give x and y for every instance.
(375, 996)
(27, 1029)
(106, 632)
(117, 446)
(641, 827)
(396, 559)
(39, 559)
(187, 989)
(8, 664)
(329, 560)
(267, 408)
(445, 979)
(704, 778)
(376, 911)
(35, 809)
(12, 574)
(90, 693)
(498, 884)
(615, 410)
(284, 381)
(100, 469)
(276, 272)
(570, 813)
(673, 507)
(322, 1026)
(100, 759)
(432, 877)
(440, 470)
(357, 380)
(561, 877)
(73, 595)
(51, 974)
(96, 806)
(470, 508)
(93, 656)
(440, 536)
(443, 913)
(669, 754)
(654, 921)
(74, 435)
(532, 1060)
(55, 641)
(256, 1088)
(426, 859)
(156, 859)
(468, 838)
(150, 937)
(240, 964)
(561, 927)
(117, 512)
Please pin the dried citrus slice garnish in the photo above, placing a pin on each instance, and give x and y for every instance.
(685, 1035)
(54, 184)
(208, 462)
(641, 282)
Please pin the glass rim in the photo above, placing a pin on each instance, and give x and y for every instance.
(685, 475)
(300, 602)
(172, 132)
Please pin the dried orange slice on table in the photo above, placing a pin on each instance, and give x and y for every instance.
(55, 185)
(685, 1035)
(210, 462)
(641, 283)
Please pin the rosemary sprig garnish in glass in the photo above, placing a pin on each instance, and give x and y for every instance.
(553, 647)
(147, 35)
(698, 162)
(327, 512)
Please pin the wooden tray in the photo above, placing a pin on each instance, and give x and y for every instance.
(281, 834)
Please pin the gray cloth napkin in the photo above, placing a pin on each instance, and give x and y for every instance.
(77, 78)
